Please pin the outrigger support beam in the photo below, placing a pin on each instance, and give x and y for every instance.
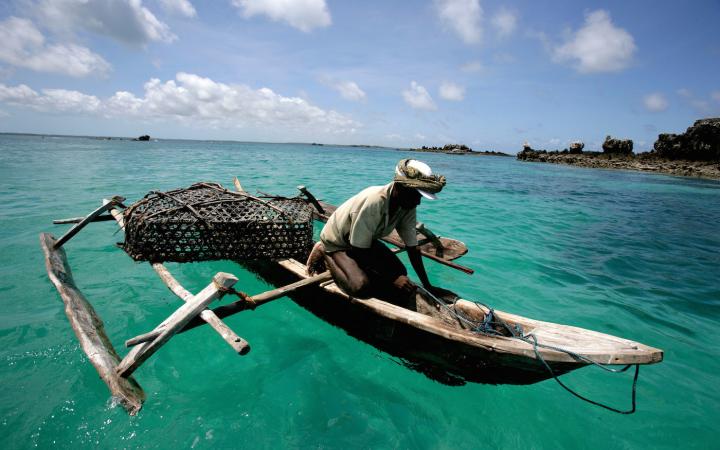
(240, 345)
(169, 327)
(89, 218)
(89, 329)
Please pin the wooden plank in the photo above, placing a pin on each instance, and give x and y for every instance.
(175, 322)
(89, 328)
(101, 218)
(80, 225)
(240, 345)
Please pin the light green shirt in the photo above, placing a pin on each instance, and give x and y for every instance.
(364, 218)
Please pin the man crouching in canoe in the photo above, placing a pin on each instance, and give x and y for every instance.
(359, 263)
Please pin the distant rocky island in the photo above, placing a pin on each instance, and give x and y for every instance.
(695, 153)
(457, 149)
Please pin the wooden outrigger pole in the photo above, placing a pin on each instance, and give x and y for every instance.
(89, 328)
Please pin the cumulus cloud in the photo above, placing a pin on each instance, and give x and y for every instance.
(504, 22)
(127, 21)
(599, 46)
(24, 45)
(349, 90)
(451, 91)
(418, 97)
(193, 99)
(51, 100)
(463, 17)
(305, 15)
(181, 7)
(655, 102)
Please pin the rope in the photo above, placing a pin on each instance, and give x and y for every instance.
(241, 295)
(485, 327)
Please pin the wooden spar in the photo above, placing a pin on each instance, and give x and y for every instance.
(237, 184)
(241, 305)
(312, 199)
(176, 321)
(80, 225)
(101, 218)
(89, 328)
(240, 345)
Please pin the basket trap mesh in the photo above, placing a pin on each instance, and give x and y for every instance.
(208, 222)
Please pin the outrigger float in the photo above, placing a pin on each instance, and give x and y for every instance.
(460, 339)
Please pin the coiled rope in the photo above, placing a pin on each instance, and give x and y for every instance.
(487, 328)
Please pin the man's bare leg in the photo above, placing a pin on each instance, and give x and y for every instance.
(347, 274)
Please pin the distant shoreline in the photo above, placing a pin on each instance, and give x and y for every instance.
(642, 162)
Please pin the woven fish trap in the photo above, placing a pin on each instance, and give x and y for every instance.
(208, 222)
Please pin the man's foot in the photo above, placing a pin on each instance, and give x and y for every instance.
(316, 260)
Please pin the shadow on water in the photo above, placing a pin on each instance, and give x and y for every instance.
(447, 362)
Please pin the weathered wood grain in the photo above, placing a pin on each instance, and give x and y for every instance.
(89, 329)
(175, 322)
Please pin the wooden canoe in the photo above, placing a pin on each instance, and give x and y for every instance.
(432, 340)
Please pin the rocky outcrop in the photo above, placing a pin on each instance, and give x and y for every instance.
(701, 142)
(645, 162)
(449, 148)
(144, 137)
(618, 146)
(576, 148)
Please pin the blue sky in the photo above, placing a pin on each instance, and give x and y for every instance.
(490, 74)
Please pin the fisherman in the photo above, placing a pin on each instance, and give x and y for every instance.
(359, 263)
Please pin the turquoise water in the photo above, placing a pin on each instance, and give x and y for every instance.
(631, 254)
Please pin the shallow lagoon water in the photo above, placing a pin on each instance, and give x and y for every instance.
(627, 253)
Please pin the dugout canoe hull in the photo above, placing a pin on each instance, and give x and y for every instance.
(432, 342)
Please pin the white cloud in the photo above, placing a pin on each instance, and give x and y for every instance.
(504, 22)
(599, 46)
(191, 99)
(301, 14)
(4, 114)
(51, 100)
(473, 67)
(181, 7)
(655, 102)
(701, 104)
(451, 91)
(126, 21)
(349, 90)
(23, 45)
(463, 17)
(418, 97)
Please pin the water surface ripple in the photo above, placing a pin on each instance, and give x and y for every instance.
(632, 254)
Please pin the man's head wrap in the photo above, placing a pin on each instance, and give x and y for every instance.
(417, 175)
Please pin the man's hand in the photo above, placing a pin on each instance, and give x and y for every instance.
(404, 284)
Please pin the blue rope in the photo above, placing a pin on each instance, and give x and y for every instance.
(486, 327)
